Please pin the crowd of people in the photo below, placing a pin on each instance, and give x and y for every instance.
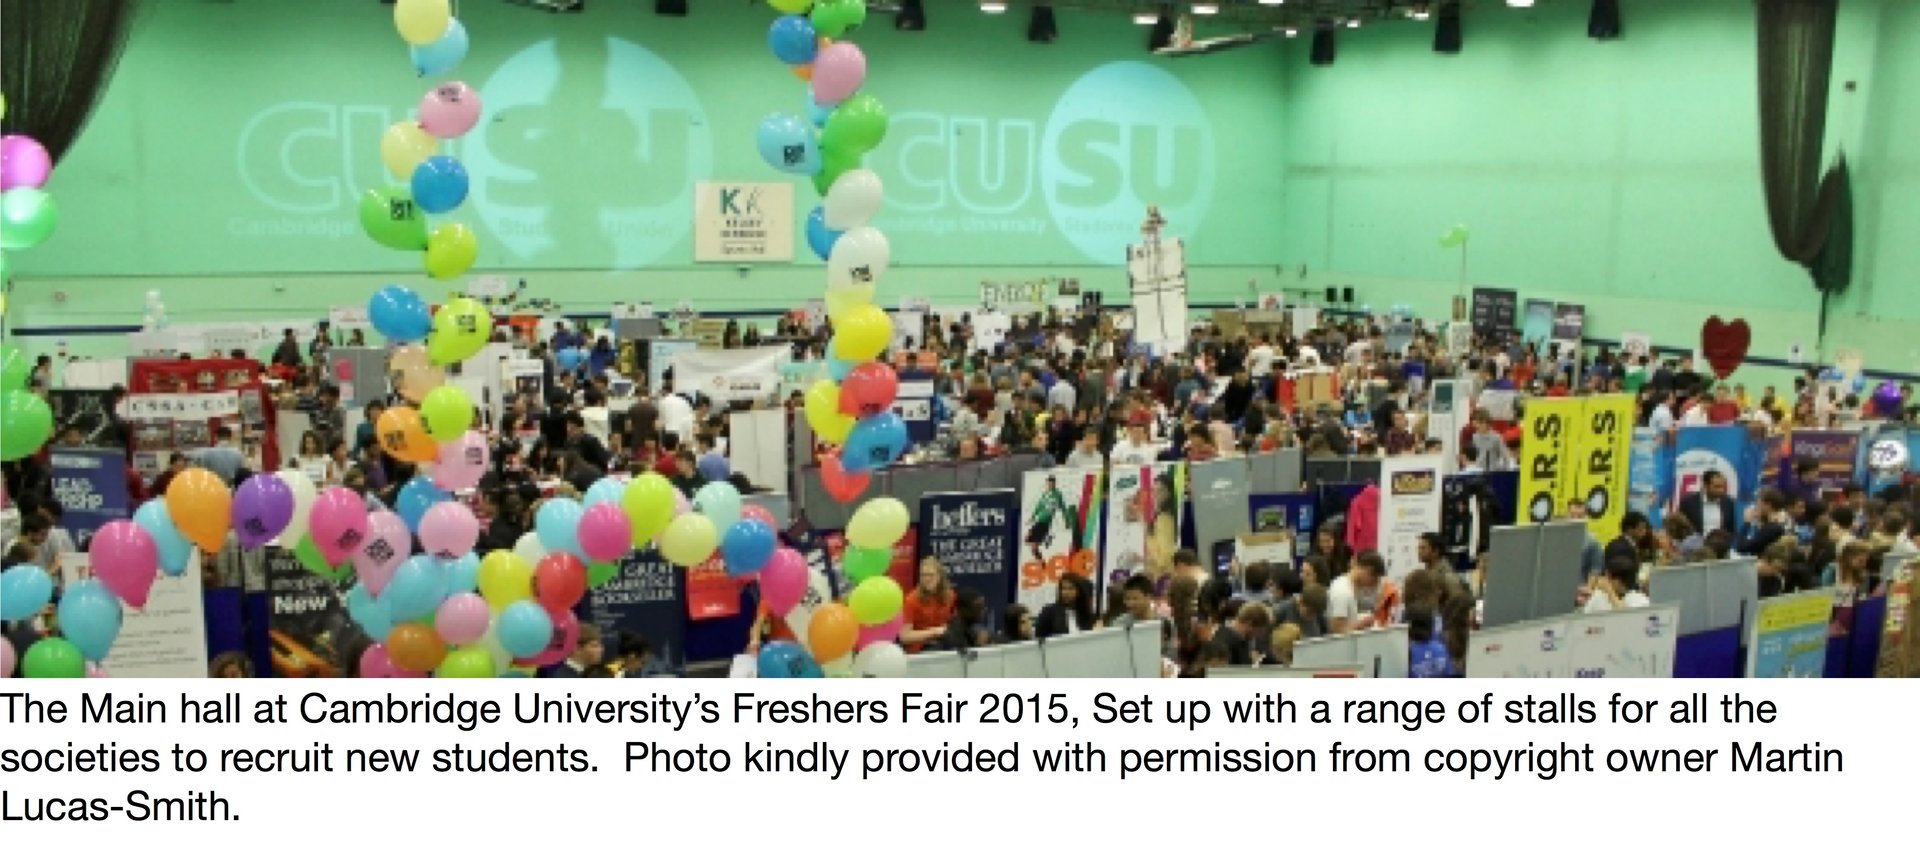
(1075, 390)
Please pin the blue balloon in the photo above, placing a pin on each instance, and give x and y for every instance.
(174, 547)
(419, 586)
(398, 313)
(443, 55)
(792, 39)
(90, 618)
(558, 526)
(875, 442)
(570, 358)
(746, 547)
(374, 616)
(440, 184)
(415, 498)
(524, 628)
(787, 143)
(816, 112)
(605, 490)
(837, 367)
(463, 574)
(23, 592)
(784, 659)
(819, 237)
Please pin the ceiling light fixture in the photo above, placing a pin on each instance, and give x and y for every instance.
(1520, 4)
(1146, 18)
(1353, 23)
(1291, 32)
(1206, 9)
(1273, 2)
(992, 8)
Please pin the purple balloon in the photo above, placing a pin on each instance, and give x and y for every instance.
(23, 163)
(262, 508)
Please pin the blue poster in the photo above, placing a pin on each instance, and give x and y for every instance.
(914, 403)
(1292, 512)
(973, 534)
(1790, 636)
(1643, 474)
(647, 598)
(91, 487)
(1728, 449)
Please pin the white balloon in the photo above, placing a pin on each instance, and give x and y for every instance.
(819, 592)
(853, 200)
(881, 661)
(529, 549)
(303, 496)
(860, 257)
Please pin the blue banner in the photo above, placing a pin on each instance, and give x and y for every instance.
(1728, 449)
(647, 598)
(1292, 512)
(974, 535)
(1643, 474)
(91, 487)
(914, 404)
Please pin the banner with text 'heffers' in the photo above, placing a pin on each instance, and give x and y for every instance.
(975, 534)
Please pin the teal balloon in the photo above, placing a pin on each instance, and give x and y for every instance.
(720, 501)
(837, 367)
(787, 144)
(819, 238)
(817, 113)
(784, 659)
(524, 628)
(90, 618)
(463, 574)
(418, 587)
(443, 55)
(23, 592)
(605, 490)
(373, 616)
(415, 498)
(439, 184)
(558, 527)
(875, 442)
(792, 39)
(174, 548)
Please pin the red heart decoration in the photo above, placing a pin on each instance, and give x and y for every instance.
(841, 485)
(1725, 344)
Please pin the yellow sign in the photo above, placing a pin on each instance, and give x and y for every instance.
(1810, 609)
(1548, 432)
(1599, 456)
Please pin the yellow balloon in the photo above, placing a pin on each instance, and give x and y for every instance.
(422, 22)
(823, 413)
(505, 578)
(863, 333)
(791, 7)
(690, 539)
(451, 250)
(403, 147)
(842, 301)
(878, 524)
(648, 502)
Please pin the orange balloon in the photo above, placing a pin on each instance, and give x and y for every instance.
(805, 72)
(404, 435)
(202, 507)
(832, 632)
(416, 647)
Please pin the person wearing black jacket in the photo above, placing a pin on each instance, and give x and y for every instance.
(1070, 612)
(584, 445)
(967, 629)
(1237, 396)
(1635, 540)
(1768, 524)
(1710, 499)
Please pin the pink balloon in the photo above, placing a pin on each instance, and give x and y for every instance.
(388, 544)
(376, 664)
(681, 505)
(7, 658)
(606, 533)
(23, 163)
(125, 559)
(337, 524)
(838, 71)
(566, 638)
(462, 619)
(783, 582)
(449, 530)
(461, 462)
(449, 110)
(95, 671)
(751, 511)
(883, 633)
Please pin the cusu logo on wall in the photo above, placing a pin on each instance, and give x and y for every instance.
(592, 159)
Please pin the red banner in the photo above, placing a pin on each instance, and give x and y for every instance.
(711, 593)
(212, 375)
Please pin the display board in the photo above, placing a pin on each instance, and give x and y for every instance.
(1711, 594)
(1277, 471)
(91, 487)
(1410, 506)
(936, 665)
(1145, 519)
(1007, 661)
(1219, 492)
(1279, 672)
(1059, 523)
(1379, 653)
(1143, 645)
(1098, 654)
(758, 446)
(975, 534)
(1788, 636)
(1532, 572)
(1631, 643)
(165, 640)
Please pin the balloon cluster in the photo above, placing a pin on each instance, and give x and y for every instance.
(396, 215)
(27, 217)
(853, 408)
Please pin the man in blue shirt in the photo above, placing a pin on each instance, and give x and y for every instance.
(223, 458)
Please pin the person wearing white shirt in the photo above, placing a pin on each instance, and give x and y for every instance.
(1086, 453)
(1260, 360)
(1617, 589)
(1661, 418)
(1358, 351)
(1136, 449)
(676, 415)
(1696, 415)
(1309, 357)
(1062, 394)
(1063, 344)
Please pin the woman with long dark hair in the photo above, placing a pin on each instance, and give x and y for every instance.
(1071, 611)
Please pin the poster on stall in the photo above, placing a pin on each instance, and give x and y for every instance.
(1059, 525)
(1550, 427)
(1289, 512)
(1493, 312)
(89, 410)
(1410, 506)
(1643, 473)
(91, 487)
(1635, 346)
(1145, 516)
(1536, 324)
(165, 640)
(1728, 449)
(1220, 496)
(974, 534)
(1788, 639)
(646, 598)
(1569, 328)
(310, 633)
(1899, 635)
(711, 593)
(660, 356)
(1836, 453)
(726, 376)
(1631, 643)
(1600, 458)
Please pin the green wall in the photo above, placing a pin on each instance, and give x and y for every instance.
(222, 165)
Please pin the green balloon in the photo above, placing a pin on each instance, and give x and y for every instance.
(25, 424)
(600, 574)
(447, 412)
(308, 554)
(833, 18)
(16, 368)
(467, 662)
(460, 329)
(393, 219)
(856, 126)
(53, 658)
(832, 165)
(27, 217)
(861, 563)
